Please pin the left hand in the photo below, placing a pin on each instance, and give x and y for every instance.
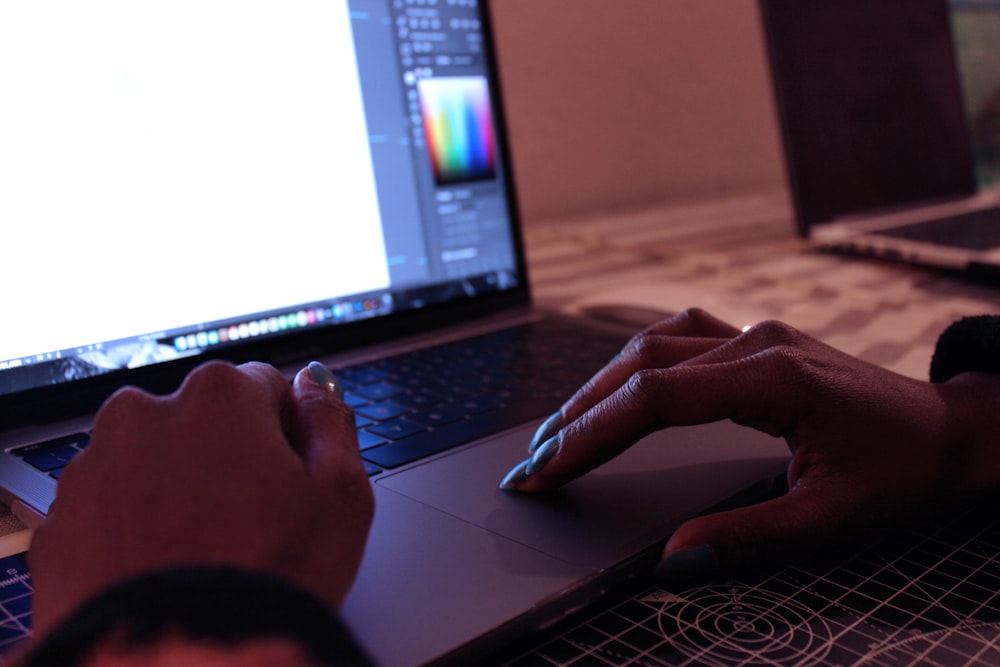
(237, 468)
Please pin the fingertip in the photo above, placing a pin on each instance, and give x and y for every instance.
(319, 395)
(687, 564)
(321, 376)
(549, 428)
(516, 477)
(324, 426)
(776, 528)
(544, 454)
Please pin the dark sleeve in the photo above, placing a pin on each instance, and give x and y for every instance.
(221, 605)
(970, 344)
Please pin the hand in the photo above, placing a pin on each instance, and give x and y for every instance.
(237, 468)
(869, 447)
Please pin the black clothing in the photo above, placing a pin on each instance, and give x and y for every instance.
(220, 605)
(971, 344)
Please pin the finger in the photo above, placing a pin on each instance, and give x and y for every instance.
(645, 351)
(762, 390)
(754, 379)
(803, 519)
(218, 383)
(672, 341)
(324, 431)
(217, 400)
(694, 322)
(268, 386)
(117, 413)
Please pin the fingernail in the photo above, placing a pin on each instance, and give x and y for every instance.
(548, 429)
(543, 455)
(687, 564)
(322, 376)
(514, 478)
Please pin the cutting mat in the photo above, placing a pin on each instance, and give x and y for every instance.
(925, 594)
(15, 602)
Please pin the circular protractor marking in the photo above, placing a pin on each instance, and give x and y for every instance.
(719, 625)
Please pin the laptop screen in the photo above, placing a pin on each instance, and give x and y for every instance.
(181, 178)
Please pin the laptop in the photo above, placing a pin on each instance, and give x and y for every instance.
(875, 133)
(321, 180)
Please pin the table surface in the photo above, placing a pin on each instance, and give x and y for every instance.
(742, 258)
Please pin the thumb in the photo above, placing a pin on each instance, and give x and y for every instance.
(323, 429)
(799, 520)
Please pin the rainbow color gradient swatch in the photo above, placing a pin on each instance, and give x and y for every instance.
(458, 125)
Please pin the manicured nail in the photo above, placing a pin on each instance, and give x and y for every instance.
(322, 376)
(543, 455)
(514, 478)
(687, 564)
(545, 432)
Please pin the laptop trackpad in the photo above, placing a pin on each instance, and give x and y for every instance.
(627, 505)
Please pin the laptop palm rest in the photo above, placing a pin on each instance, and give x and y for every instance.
(625, 506)
(452, 557)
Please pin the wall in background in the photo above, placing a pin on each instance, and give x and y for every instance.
(619, 104)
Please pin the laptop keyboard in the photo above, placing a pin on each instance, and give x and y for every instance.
(427, 401)
(53, 455)
(420, 403)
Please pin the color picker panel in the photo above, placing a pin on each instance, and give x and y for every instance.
(459, 128)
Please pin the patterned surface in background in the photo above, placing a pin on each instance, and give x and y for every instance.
(741, 258)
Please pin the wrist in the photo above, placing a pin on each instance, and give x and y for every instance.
(973, 404)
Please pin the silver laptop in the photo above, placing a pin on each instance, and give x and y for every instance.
(876, 136)
(287, 181)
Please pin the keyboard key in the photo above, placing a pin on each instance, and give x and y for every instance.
(80, 440)
(53, 455)
(438, 416)
(396, 429)
(368, 440)
(361, 375)
(418, 401)
(395, 454)
(379, 391)
(354, 400)
(50, 458)
(479, 404)
(382, 411)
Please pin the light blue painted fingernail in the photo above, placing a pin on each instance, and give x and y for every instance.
(543, 455)
(687, 564)
(548, 429)
(514, 478)
(324, 377)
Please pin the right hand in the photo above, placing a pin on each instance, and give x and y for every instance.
(869, 447)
